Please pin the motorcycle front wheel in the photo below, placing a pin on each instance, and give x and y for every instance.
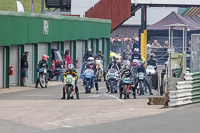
(87, 88)
(68, 92)
(42, 80)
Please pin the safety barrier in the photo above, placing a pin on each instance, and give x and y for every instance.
(187, 91)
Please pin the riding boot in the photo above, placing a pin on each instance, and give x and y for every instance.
(63, 93)
(120, 96)
(96, 86)
(77, 93)
(36, 85)
(108, 90)
(104, 76)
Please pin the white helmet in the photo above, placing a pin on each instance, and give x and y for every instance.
(136, 50)
(70, 66)
(91, 59)
(89, 50)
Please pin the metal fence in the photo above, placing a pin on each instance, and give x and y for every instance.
(195, 53)
(161, 53)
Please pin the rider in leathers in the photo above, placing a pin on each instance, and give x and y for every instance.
(99, 56)
(85, 58)
(136, 54)
(126, 70)
(93, 66)
(152, 61)
(73, 72)
(141, 68)
(114, 64)
(42, 64)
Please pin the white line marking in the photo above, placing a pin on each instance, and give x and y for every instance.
(27, 95)
(115, 98)
(95, 96)
(56, 124)
(53, 123)
(78, 118)
(66, 126)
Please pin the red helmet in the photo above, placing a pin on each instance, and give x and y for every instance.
(45, 57)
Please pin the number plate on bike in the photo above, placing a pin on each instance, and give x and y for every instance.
(45, 71)
(126, 80)
(68, 80)
(141, 76)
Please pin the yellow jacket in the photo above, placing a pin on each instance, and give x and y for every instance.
(73, 73)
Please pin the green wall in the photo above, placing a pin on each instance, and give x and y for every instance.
(20, 28)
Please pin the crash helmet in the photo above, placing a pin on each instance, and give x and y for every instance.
(136, 50)
(117, 58)
(45, 57)
(114, 58)
(90, 59)
(70, 67)
(89, 50)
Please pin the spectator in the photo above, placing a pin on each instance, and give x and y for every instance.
(136, 43)
(67, 5)
(166, 44)
(189, 47)
(188, 61)
(24, 67)
(149, 45)
(156, 44)
(67, 57)
(127, 53)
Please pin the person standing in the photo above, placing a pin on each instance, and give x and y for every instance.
(156, 44)
(67, 57)
(24, 67)
(42, 64)
(126, 55)
(166, 45)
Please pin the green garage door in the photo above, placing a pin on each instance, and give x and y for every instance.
(42, 49)
(1, 67)
(80, 45)
(14, 61)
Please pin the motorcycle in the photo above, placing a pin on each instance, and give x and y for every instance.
(141, 83)
(99, 64)
(56, 73)
(88, 77)
(112, 80)
(70, 86)
(126, 82)
(150, 71)
(43, 77)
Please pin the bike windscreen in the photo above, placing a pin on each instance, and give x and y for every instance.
(126, 62)
(89, 71)
(69, 76)
(136, 61)
(150, 67)
(112, 70)
(99, 61)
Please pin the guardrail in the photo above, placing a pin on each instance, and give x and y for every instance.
(187, 91)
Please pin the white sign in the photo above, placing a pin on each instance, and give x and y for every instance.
(20, 7)
(45, 27)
